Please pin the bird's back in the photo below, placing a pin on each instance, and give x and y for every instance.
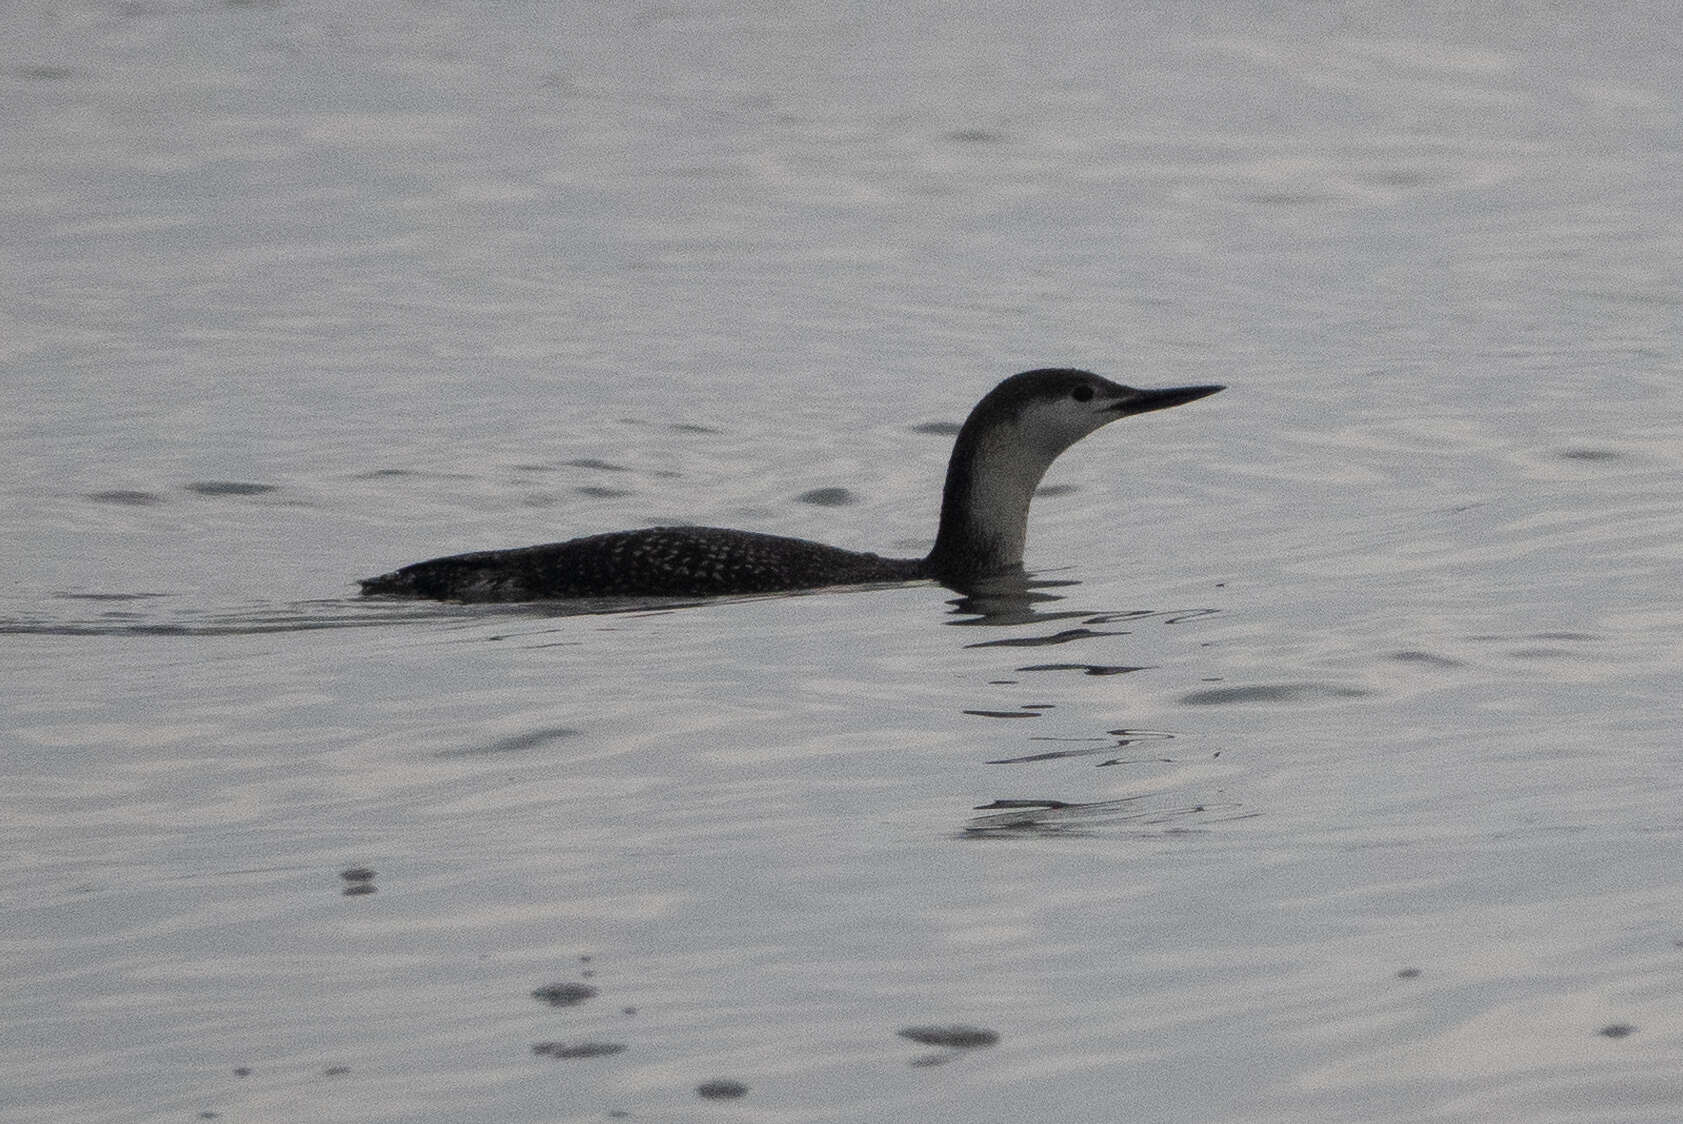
(656, 562)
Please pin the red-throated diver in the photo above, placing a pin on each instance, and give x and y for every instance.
(1005, 446)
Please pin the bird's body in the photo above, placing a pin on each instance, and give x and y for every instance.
(655, 562)
(1004, 448)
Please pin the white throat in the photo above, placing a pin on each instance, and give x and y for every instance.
(1005, 471)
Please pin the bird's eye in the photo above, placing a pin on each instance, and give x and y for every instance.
(1082, 393)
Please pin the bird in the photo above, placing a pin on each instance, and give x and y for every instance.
(1000, 454)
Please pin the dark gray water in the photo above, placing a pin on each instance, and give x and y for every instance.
(1338, 780)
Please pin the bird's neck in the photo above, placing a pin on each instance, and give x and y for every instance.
(985, 504)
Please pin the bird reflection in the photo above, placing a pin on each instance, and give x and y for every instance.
(1008, 818)
(1012, 598)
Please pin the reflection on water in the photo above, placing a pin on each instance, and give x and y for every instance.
(577, 1049)
(514, 743)
(358, 881)
(1149, 814)
(1062, 636)
(1272, 692)
(954, 1041)
(1085, 668)
(1007, 599)
(1090, 747)
(1016, 599)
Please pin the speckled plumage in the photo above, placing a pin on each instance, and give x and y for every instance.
(1005, 446)
(657, 562)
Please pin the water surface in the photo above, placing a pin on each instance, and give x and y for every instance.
(1334, 778)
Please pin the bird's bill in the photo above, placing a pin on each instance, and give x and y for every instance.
(1144, 401)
